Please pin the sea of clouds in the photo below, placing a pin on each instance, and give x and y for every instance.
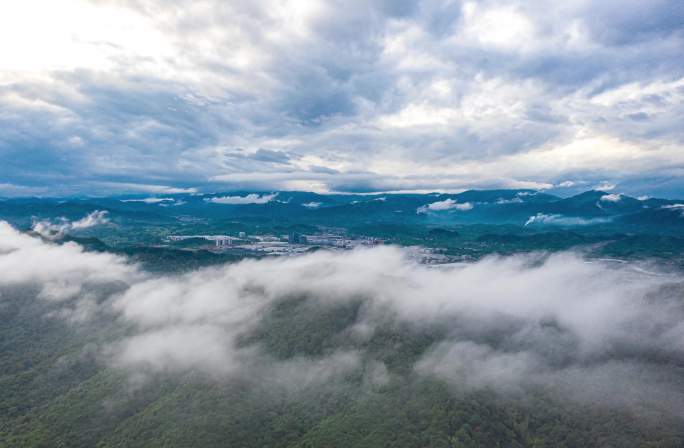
(597, 332)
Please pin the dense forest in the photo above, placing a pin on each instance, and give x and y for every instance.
(56, 391)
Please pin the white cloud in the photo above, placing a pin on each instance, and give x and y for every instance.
(615, 197)
(499, 26)
(636, 92)
(60, 270)
(447, 204)
(515, 200)
(675, 207)
(96, 218)
(561, 220)
(605, 186)
(149, 200)
(76, 34)
(146, 188)
(251, 198)
(52, 230)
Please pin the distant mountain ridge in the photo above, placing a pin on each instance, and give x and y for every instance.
(522, 207)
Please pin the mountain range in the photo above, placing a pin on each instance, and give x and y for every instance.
(514, 207)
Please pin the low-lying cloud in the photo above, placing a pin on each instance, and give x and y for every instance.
(251, 198)
(598, 333)
(149, 200)
(447, 204)
(61, 271)
(675, 208)
(53, 230)
(312, 204)
(562, 220)
(612, 197)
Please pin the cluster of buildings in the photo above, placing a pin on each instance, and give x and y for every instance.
(220, 240)
(281, 245)
(340, 241)
(298, 243)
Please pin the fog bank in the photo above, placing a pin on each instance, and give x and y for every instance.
(590, 331)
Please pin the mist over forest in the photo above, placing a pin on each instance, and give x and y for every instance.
(97, 349)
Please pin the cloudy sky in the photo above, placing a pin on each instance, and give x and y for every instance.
(156, 96)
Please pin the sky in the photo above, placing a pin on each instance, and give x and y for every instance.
(151, 96)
